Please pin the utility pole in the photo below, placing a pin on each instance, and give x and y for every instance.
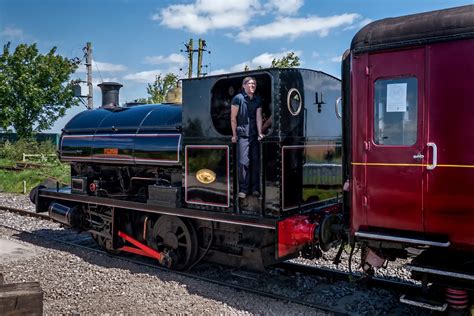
(201, 48)
(88, 53)
(190, 51)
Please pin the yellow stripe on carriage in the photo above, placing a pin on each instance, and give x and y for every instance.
(382, 164)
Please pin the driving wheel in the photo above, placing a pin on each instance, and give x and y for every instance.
(178, 238)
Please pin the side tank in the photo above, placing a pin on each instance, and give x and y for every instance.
(140, 135)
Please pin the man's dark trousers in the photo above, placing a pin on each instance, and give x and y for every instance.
(249, 164)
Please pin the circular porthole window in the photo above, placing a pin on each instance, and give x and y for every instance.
(294, 101)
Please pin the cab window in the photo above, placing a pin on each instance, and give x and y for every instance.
(223, 92)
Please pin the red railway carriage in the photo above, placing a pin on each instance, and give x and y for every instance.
(409, 161)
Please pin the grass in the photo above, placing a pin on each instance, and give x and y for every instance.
(11, 152)
(12, 181)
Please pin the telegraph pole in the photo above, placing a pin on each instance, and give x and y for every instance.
(88, 53)
(190, 51)
(202, 45)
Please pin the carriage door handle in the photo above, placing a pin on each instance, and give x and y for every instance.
(435, 156)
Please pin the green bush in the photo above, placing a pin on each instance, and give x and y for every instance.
(15, 150)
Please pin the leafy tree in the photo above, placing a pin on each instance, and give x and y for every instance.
(34, 88)
(289, 61)
(158, 89)
(141, 100)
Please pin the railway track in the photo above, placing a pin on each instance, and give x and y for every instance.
(251, 283)
(391, 285)
(24, 212)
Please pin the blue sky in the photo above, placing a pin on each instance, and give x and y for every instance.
(134, 40)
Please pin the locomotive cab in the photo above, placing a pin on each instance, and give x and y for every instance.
(302, 145)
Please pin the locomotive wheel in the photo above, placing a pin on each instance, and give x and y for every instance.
(177, 237)
(105, 244)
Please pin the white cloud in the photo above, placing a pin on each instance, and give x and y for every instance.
(12, 33)
(294, 27)
(144, 76)
(359, 25)
(285, 7)
(204, 15)
(263, 60)
(171, 59)
(219, 72)
(364, 22)
(95, 82)
(106, 67)
(149, 76)
(336, 59)
(102, 67)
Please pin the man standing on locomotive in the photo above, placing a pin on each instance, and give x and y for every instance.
(246, 122)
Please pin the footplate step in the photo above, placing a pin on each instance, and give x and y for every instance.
(423, 303)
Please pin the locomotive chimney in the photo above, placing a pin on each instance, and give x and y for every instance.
(110, 93)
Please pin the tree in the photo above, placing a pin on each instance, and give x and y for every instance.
(158, 89)
(141, 100)
(35, 89)
(289, 61)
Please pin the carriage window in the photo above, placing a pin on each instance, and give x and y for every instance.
(225, 89)
(396, 110)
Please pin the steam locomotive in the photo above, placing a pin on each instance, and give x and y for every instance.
(161, 180)
(395, 176)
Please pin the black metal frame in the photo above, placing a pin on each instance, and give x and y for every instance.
(65, 195)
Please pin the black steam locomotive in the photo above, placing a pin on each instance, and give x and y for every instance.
(160, 180)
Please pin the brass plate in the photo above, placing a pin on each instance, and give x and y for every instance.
(206, 176)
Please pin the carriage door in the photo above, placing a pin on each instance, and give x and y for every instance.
(394, 150)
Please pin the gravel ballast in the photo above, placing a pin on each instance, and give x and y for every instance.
(77, 280)
(86, 282)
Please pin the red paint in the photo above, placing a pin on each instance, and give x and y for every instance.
(457, 299)
(136, 251)
(392, 194)
(141, 249)
(294, 233)
(449, 191)
(92, 187)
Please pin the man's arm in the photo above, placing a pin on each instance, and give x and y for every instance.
(266, 125)
(234, 111)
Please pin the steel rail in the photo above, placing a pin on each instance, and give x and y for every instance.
(24, 212)
(392, 285)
